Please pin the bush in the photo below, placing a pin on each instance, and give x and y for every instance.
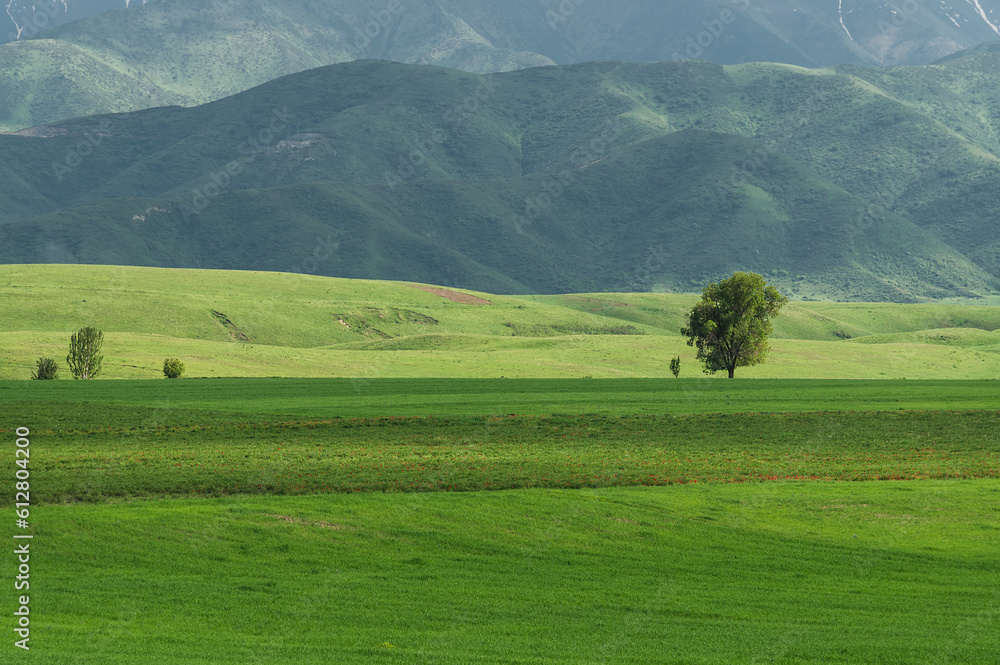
(675, 366)
(173, 368)
(46, 370)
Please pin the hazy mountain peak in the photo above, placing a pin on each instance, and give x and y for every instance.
(191, 51)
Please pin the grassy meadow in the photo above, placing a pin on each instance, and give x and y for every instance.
(890, 572)
(369, 397)
(172, 528)
(249, 324)
(344, 477)
(211, 454)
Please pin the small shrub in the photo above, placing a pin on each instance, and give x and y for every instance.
(173, 368)
(46, 370)
(675, 366)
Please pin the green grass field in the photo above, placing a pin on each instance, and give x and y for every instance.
(210, 454)
(783, 573)
(510, 521)
(366, 397)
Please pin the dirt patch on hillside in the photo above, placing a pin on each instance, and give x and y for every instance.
(608, 303)
(463, 298)
(234, 331)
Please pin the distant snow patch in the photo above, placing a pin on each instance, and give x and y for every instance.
(840, 8)
(982, 13)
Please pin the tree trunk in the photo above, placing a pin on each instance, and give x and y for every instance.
(732, 372)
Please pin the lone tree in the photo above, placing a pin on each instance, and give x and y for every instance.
(731, 324)
(45, 370)
(675, 366)
(85, 353)
(173, 368)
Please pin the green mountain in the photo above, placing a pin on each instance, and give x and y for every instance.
(979, 49)
(188, 52)
(847, 183)
(25, 19)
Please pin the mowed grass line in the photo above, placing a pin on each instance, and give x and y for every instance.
(214, 456)
(361, 397)
(781, 573)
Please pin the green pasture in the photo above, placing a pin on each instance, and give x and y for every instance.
(819, 321)
(140, 356)
(315, 521)
(247, 324)
(39, 403)
(889, 572)
(136, 454)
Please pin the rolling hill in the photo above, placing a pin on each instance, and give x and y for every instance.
(277, 324)
(188, 52)
(848, 183)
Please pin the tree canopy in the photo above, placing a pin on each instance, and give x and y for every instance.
(731, 324)
(85, 357)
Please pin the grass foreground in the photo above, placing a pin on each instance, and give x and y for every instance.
(317, 521)
(785, 573)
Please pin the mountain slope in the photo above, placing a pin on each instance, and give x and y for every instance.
(637, 220)
(57, 79)
(188, 52)
(901, 160)
(24, 19)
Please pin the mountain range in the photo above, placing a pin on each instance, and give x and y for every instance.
(188, 52)
(852, 183)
